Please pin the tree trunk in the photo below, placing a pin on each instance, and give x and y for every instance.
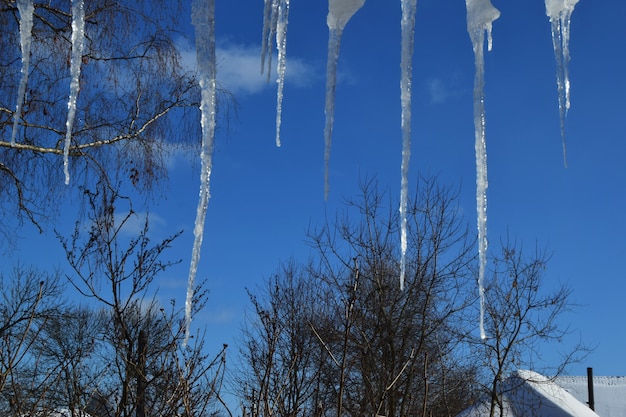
(142, 344)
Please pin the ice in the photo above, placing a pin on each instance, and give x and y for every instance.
(339, 13)
(26, 9)
(281, 45)
(560, 12)
(78, 41)
(275, 20)
(270, 19)
(203, 19)
(480, 17)
(334, 41)
(406, 67)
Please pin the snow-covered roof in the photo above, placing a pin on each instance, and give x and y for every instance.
(609, 393)
(62, 412)
(529, 394)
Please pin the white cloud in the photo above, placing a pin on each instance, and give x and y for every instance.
(239, 68)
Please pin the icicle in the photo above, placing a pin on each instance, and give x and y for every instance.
(78, 40)
(339, 13)
(334, 40)
(480, 17)
(281, 45)
(275, 20)
(270, 20)
(203, 19)
(406, 65)
(26, 9)
(560, 12)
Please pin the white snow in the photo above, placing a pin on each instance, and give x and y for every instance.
(560, 12)
(406, 68)
(203, 19)
(26, 10)
(61, 412)
(480, 17)
(527, 393)
(609, 393)
(339, 13)
(78, 41)
(556, 8)
(531, 392)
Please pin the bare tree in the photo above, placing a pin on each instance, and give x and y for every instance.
(137, 100)
(143, 367)
(68, 347)
(400, 340)
(280, 375)
(522, 320)
(378, 350)
(29, 300)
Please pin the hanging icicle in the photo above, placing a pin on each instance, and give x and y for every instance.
(203, 19)
(270, 20)
(78, 41)
(406, 66)
(480, 17)
(339, 13)
(281, 45)
(26, 10)
(560, 12)
(275, 20)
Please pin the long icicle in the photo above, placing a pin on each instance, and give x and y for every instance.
(78, 41)
(339, 13)
(203, 19)
(480, 17)
(281, 45)
(560, 12)
(26, 9)
(266, 38)
(334, 44)
(406, 65)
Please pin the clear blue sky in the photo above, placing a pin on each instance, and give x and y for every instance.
(264, 198)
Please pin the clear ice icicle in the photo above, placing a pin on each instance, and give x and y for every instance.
(480, 17)
(560, 12)
(406, 67)
(203, 19)
(339, 13)
(281, 45)
(26, 9)
(275, 20)
(78, 41)
(270, 20)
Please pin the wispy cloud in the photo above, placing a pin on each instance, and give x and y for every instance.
(239, 68)
(440, 91)
(219, 316)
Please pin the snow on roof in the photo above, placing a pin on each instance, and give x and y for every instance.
(609, 393)
(529, 394)
(62, 412)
